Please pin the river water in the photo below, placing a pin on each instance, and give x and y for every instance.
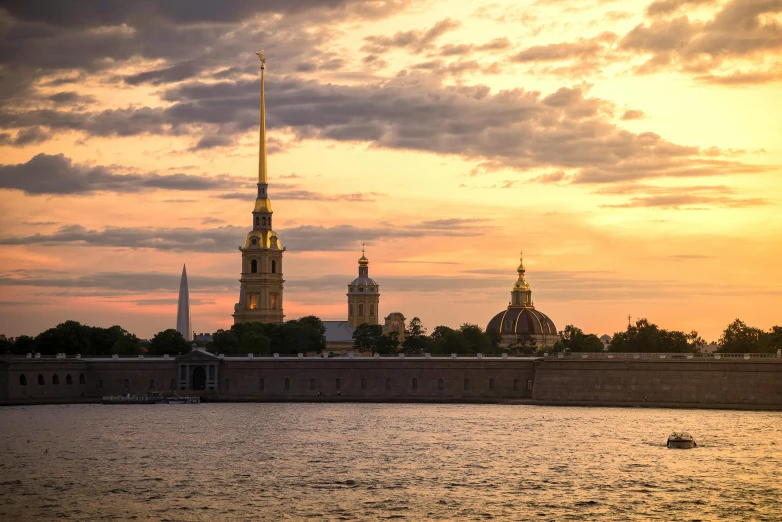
(385, 461)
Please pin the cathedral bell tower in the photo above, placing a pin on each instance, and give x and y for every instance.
(260, 294)
(363, 296)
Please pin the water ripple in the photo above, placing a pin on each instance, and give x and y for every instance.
(385, 461)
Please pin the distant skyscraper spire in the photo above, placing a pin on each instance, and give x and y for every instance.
(183, 323)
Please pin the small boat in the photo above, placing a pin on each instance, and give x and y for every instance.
(681, 440)
(180, 400)
(152, 398)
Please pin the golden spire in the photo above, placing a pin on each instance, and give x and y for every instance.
(520, 284)
(262, 152)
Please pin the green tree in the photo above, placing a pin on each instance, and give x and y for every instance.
(168, 341)
(70, 337)
(695, 341)
(255, 342)
(313, 322)
(647, 337)
(775, 338)
(416, 340)
(225, 341)
(366, 337)
(126, 345)
(479, 342)
(575, 340)
(388, 343)
(446, 340)
(495, 338)
(524, 344)
(740, 338)
(24, 344)
(313, 334)
(114, 340)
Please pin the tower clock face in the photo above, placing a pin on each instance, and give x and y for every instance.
(360, 288)
(254, 241)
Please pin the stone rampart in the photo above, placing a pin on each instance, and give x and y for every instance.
(698, 382)
(706, 382)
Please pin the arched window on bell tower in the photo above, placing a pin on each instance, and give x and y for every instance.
(256, 221)
(274, 266)
(263, 220)
(361, 309)
(254, 266)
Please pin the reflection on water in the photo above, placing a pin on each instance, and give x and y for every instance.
(380, 461)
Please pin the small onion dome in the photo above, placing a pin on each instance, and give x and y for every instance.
(363, 260)
(518, 321)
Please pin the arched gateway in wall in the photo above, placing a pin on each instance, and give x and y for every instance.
(199, 371)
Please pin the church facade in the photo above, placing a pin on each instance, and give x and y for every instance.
(261, 282)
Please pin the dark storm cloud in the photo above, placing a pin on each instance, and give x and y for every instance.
(512, 128)
(688, 201)
(664, 7)
(740, 29)
(282, 191)
(57, 174)
(49, 43)
(109, 282)
(738, 78)
(70, 97)
(191, 35)
(581, 48)
(170, 301)
(391, 283)
(415, 40)
(697, 197)
(224, 239)
(175, 73)
(27, 136)
(215, 240)
(346, 237)
(497, 44)
(549, 285)
(97, 13)
(633, 115)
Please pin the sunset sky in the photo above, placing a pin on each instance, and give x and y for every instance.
(631, 150)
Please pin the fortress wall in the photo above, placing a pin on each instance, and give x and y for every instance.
(384, 379)
(32, 392)
(107, 376)
(754, 383)
(751, 382)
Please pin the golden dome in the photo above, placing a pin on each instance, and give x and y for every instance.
(363, 260)
(263, 205)
(262, 239)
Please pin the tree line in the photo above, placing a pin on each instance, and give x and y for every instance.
(72, 337)
(307, 335)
